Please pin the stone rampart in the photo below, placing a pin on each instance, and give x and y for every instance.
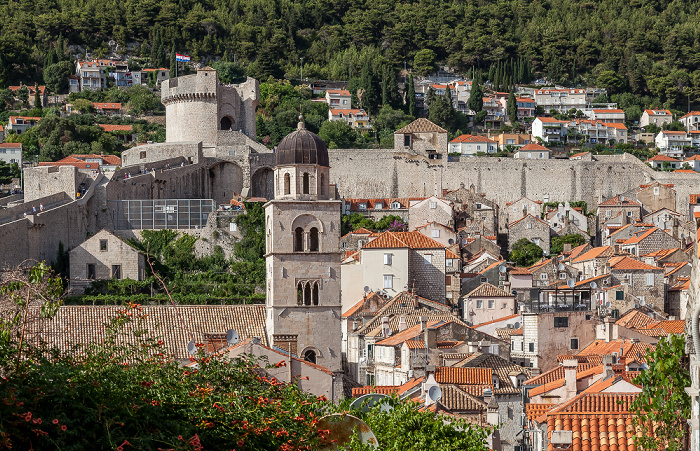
(17, 211)
(156, 153)
(41, 181)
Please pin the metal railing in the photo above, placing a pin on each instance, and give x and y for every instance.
(161, 213)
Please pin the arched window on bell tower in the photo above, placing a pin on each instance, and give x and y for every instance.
(322, 182)
(300, 294)
(287, 184)
(305, 189)
(310, 356)
(314, 294)
(313, 239)
(299, 240)
(307, 294)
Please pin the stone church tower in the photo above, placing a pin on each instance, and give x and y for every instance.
(302, 228)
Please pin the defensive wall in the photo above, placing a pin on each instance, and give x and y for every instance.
(385, 173)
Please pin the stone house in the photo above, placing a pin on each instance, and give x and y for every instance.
(472, 246)
(655, 196)
(664, 219)
(656, 117)
(439, 232)
(43, 93)
(647, 241)
(532, 229)
(592, 262)
(550, 271)
(659, 161)
(472, 206)
(424, 137)
(398, 261)
(533, 151)
(105, 256)
(519, 208)
(431, 209)
(664, 257)
(610, 208)
(480, 261)
(487, 303)
(353, 241)
(564, 214)
(377, 208)
(616, 235)
(642, 284)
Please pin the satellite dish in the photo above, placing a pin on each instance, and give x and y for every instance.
(594, 285)
(191, 348)
(516, 325)
(561, 267)
(571, 283)
(366, 289)
(514, 293)
(435, 393)
(608, 304)
(342, 426)
(502, 269)
(366, 402)
(232, 337)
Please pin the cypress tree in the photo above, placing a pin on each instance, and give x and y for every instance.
(411, 97)
(385, 87)
(173, 61)
(491, 73)
(476, 97)
(37, 98)
(512, 108)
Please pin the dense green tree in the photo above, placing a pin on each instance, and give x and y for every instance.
(663, 403)
(611, 81)
(229, 72)
(558, 242)
(337, 134)
(390, 119)
(56, 76)
(525, 253)
(441, 110)
(476, 97)
(252, 226)
(8, 172)
(411, 97)
(173, 61)
(424, 62)
(512, 107)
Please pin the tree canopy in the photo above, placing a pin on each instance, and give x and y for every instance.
(525, 253)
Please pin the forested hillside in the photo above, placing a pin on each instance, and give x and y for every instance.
(652, 45)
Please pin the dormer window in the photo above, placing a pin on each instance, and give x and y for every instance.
(362, 206)
(378, 206)
(395, 205)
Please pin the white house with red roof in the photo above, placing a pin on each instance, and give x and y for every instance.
(339, 98)
(672, 143)
(92, 75)
(658, 162)
(356, 118)
(561, 99)
(533, 152)
(11, 153)
(526, 106)
(21, 124)
(472, 144)
(107, 108)
(549, 129)
(656, 117)
(693, 162)
(691, 121)
(608, 115)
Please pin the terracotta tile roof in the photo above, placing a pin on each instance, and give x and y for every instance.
(533, 146)
(534, 217)
(13, 119)
(658, 112)
(463, 376)
(410, 333)
(412, 240)
(502, 368)
(596, 252)
(107, 106)
(692, 113)
(472, 139)
(626, 263)
(686, 171)
(636, 351)
(557, 373)
(634, 319)
(615, 201)
(615, 125)
(578, 250)
(488, 290)
(106, 159)
(662, 158)
(523, 197)
(609, 111)
(663, 328)
(544, 388)
(456, 399)
(75, 325)
(341, 111)
(412, 308)
(421, 125)
(578, 155)
(534, 411)
(11, 145)
(340, 92)
(505, 333)
(116, 128)
(519, 271)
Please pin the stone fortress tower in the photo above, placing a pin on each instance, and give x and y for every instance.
(302, 228)
(200, 108)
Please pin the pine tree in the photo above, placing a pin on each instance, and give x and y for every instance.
(37, 97)
(411, 97)
(173, 62)
(60, 50)
(512, 108)
(491, 73)
(385, 87)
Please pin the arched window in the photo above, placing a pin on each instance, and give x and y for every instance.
(310, 356)
(306, 183)
(323, 184)
(299, 240)
(307, 294)
(287, 184)
(313, 239)
(300, 294)
(314, 294)
(226, 123)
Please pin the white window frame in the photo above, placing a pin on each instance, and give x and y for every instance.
(435, 233)
(428, 259)
(433, 204)
(387, 259)
(650, 279)
(479, 303)
(492, 304)
(388, 281)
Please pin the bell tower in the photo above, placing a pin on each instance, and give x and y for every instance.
(302, 239)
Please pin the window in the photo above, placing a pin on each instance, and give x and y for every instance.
(299, 240)
(310, 356)
(378, 206)
(387, 259)
(492, 304)
(313, 239)
(395, 205)
(232, 227)
(478, 206)
(529, 225)
(628, 277)
(142, 154)
(388, 281)
(407, 140)
(562, 275)
(522, 345)
(344, 245)
(314, 294)
(116, 271)
(428, 259)
(103, 245)
(448, 262)
(287, 184)
(531, 347)
(362, 206)
(479, 304)
(619, 295)
(435, 233)
(543, 276)
(561, 321)
(91, 271)
(574, 343)
(629, 213)
(305, 183)
(656, 191)
(433, 204)
(360, 243)
(505, 305)
(608, 213)
(650, 279)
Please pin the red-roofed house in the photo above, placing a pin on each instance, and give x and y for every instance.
(650, 240)
(21, 124)
(122, 132)
(354, 117)
(691, 121)
(657, 117)
(641, 283)
(615, 115)
(629, 208)
(533, 151)
(338, 98)
(672, 143)
(472, 144)
(11, 153)
(526, 106)
(107, 108)
(43, 93)
(487, 303)
(549, 129)
(561, 99)
(92, 74)
(530, 228)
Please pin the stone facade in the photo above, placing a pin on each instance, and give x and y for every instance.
(104, 256)
(641, 287)
(520, 208)
(531, 229)
(656, 196)
(432, 209)
(471, 207)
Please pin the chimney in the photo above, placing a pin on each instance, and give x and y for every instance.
(607, 367)
(492, 416)
(431, 338)
(402, 323)
(567, 248)
(386, 330)
(674, 229)
(616, 249)
(569, 378)
(610, 329)
(215, 342)
(423, 323)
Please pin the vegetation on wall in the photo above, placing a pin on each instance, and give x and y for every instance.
(357, 221)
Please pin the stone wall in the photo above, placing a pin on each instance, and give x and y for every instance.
(145, 156)
(532, 229)
(42, 181)
(429, 278)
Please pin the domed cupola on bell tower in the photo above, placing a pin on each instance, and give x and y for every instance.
(301, 166)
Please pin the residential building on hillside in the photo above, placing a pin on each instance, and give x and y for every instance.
(533, 151)
(339, 99)
(562, 100)
(21, 124)
(431, 209)
(512, 140)
(32, 90)
(422, 136)
(487, 303)
(608, 115)
(472, 144)
(656, 117)
(532, 229)
(108, 108)
(355, 118)
(11, 153)
(160, 76)
(663, 161)
(92, 75)
(691, 121)
(672, 143)
(526, 107)
(549, 129)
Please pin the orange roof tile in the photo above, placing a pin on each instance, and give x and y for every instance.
(627, 263)
(533, 146)
(472, 138)
(596, 252)
(488, 290)
(615, 201)
(662, 158)
(463, 376)
(116, 128)
(413, 240)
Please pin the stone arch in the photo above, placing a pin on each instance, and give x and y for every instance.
(299, 239)
(306, 221)
(310, 355)
(225, 181)
(263, 183)
(226, 123)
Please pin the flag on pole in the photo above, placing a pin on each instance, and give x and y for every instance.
(184, 58)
